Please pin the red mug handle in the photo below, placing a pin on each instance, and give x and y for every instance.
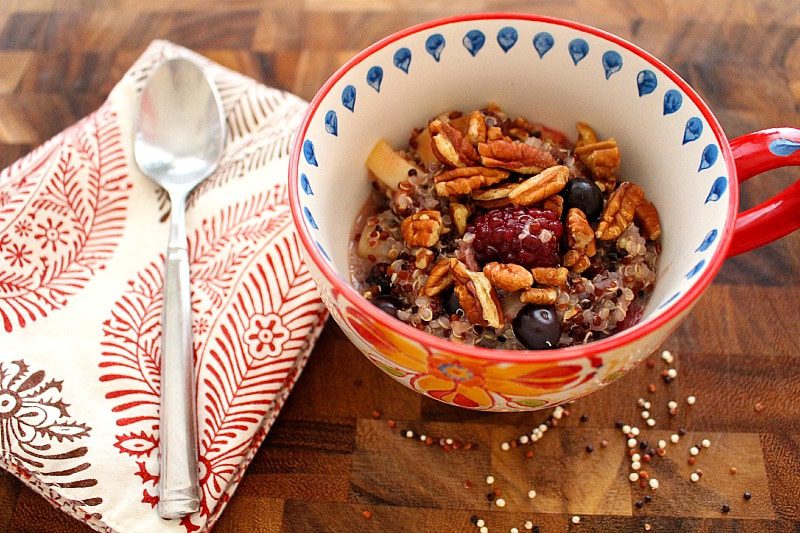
(759, 152)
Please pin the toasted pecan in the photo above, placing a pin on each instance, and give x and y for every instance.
(450, 147)
(619, 211)
(508, 276)
(537, 188)
(516, 156)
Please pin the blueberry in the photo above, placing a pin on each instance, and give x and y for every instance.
(584, 195)
(537, 327)
(388, 305)
(378, 277)
(450, 301)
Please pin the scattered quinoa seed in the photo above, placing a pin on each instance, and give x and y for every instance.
(376, 414)
(759, 406)
(489, 480)
(674, 438)
(589, 448)
(514, 530)
(747, 495)
(392, 424)
(651, 422)
(505, 446)
(694, 477)
(531, 494)
(631, 443)
(480, 522)
(576, 519)
(726, 508)
(366, 514)
(733, 470)
(706, 443)
(672, 373)
(633, 477)
(500, 502)
(672, 404)
(484, 529)
(528, 525)
(694, 450)
(690, 400)
(654, 483)
(647, 527)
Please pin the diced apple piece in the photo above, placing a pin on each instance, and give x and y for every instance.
(424, 150)
(388, 166)
(371, 247)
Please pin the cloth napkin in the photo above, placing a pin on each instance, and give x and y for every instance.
(82, 237)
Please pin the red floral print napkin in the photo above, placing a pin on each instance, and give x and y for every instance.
(82, 236)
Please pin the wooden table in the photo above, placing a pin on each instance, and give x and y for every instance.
(327, 460)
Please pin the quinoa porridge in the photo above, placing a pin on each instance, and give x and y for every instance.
(502, 233)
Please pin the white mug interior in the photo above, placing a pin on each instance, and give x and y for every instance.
(549, 73)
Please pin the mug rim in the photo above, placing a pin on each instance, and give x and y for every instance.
(638, 331)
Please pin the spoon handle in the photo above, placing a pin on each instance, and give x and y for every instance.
(178, 489)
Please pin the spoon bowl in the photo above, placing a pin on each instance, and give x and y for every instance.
(179, 140)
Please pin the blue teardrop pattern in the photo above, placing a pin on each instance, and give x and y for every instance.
(305, 185)
(507, 38)
(612, 62)
(474, 41)
(578, 48)
(669, 300)
(375, 77)
(434, 45)
(331, 123)
(308, 153)
(708, 241)
(402, 59)
(543, 42)
(322, 250)
(695, 269)
(349, 97)
(717, 189)
(784, 147)
(647, 82)
(693, 130)
(709, 157)
(672, 101)
(310, 218)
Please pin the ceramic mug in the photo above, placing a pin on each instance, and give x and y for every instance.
(555, 72)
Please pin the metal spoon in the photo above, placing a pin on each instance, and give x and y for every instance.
(179, 139)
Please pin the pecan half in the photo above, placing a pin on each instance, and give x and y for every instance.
(602, 158)
(647, 217)
(586, 135)
(537, 188)
(440, 277)
(476, 129)
(460, 214)
(619, 211)
(516, 156)
(508, 276)
(547, 296)
(477, 297)
(464, 180)
(495, 133)
(550, 276)
(450, 147)
(422, 228)
(555, 204)
(496, 197)
(580, 239)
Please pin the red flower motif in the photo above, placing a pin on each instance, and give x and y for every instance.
(18, 254)
(5, 240)
(23, 228)
(5, 197)
(265, 335)
(51, 233)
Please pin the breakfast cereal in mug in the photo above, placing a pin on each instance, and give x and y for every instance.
(502, 233)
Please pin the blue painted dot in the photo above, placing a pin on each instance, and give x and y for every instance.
(349, 97)
(473, 41)
(507, 38)
(672, 101)
(709, 157)
(331, 123)
(646, 81)
(322, 250)
(308, 153)
(784, 147)
(578, 48)
(310, 218)
(717, 189)
(695, 269)
(707, 241)
(543, 42)
(693, 130)
(669, 300)
(434, 45)
(402, 59)
(612, 62)
(375, 77)
(305, 185)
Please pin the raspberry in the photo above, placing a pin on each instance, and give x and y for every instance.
(521, 235)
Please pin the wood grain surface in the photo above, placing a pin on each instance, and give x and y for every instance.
(327, 460)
